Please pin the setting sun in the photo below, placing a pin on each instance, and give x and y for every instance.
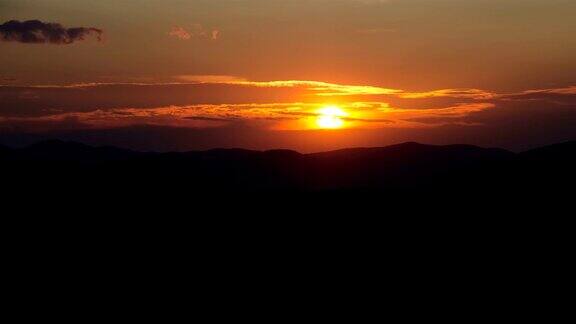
(331, 117)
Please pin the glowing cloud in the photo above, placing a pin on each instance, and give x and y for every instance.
(196, 31)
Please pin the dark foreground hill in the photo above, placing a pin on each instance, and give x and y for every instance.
(410, 199)
(408, 169)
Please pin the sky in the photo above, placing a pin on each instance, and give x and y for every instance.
(308, 75)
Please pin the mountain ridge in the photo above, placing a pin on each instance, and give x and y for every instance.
(410, 168)
(56, 143)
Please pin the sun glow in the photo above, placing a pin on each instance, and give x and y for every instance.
(331, 117)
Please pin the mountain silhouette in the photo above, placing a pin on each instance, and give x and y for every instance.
(402, 197)
(559, 152)
(408, 168)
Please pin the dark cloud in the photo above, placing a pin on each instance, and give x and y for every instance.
(215, 119)
(369, 120)
(560, 96)
(38, 32)
(29, 101)
(41, 101)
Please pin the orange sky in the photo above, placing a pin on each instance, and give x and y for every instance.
(260, 74)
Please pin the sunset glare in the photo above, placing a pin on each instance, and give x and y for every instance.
(331, 117)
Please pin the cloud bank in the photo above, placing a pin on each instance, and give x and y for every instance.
(228, 108)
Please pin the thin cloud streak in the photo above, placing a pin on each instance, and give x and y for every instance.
(323, 89)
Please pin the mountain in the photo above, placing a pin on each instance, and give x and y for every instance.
(238, 169)
(398, 170)
(4, 150)
(70, 151)
(404, 178)
(559, 152)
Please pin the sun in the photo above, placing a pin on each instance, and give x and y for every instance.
(331, 117)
